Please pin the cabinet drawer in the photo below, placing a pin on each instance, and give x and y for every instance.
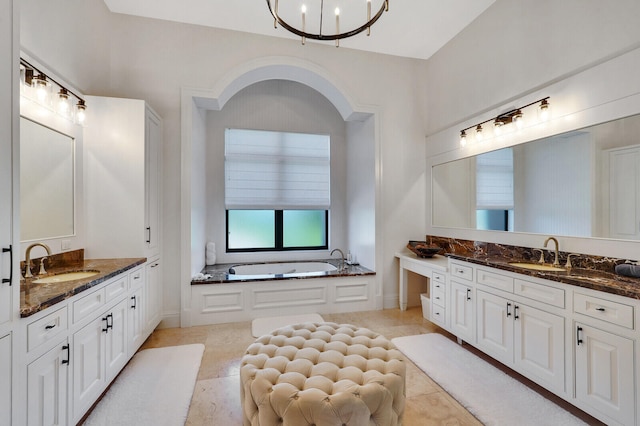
(462, 271)
(605, 310)
(438, 277)
(491, 279)
(438, 296)
(88, 305)
(136, 278)
(46, 328)
(542, 293)
(437, 314)
(116, 289)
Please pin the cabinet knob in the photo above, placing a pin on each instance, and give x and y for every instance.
(601, 309)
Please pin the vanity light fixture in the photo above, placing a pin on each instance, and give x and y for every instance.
(500, 123)
(41, 84)
(311, 17)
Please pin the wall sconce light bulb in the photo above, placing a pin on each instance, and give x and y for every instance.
(463, 139)
(479, 135)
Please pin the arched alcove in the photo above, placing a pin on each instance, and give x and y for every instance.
(362, 188)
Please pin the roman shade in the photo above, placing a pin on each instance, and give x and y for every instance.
(276, 170)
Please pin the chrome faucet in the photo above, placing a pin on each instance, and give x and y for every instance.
(342, 259)
(555, 262)
(27, 260)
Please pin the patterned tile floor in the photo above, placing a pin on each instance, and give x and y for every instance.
(216, 398)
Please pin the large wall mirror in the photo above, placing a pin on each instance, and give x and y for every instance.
(46, 182)
(583, 183)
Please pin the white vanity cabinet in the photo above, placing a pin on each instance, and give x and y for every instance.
(5, 385)
(438, 291)
(579, 343)
(462, 319)
(74, 349)
(605, 370)
(153, 294)
(122, 178)
(47, 379)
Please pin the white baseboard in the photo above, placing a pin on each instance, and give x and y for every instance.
(391, 302)
(170, 320)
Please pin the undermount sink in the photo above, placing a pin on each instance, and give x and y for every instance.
(66, 276)
(537, 267)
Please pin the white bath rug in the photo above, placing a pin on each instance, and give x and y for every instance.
(489, 394)
(265, 325)
(154, 389)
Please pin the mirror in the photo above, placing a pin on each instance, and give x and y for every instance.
(583, 183)
(46, 182)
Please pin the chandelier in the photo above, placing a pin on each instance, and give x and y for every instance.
(326, 20)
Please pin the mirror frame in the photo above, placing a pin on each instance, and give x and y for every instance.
(46, 118)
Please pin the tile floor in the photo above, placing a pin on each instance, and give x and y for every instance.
(216, 398)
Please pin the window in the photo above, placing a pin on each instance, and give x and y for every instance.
(277, 190)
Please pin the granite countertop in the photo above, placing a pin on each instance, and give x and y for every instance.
(37, 297)
(587, 278)
(219, 273)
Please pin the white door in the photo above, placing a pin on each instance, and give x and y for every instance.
(116, 340)
(7, 90)
(605, 373)
(495, 326)
(153, 135)
(539, 346)
(462, 313)
(153, 299)
(47, 388)
(5, 383)
(135, 322)
(88, 365)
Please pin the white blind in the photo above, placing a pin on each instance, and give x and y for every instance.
(494, 180)
(276, 170)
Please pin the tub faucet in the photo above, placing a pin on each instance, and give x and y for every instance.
(555, 262)
(342, 258)
(27, 260)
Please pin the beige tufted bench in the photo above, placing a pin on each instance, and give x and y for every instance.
(322, 374)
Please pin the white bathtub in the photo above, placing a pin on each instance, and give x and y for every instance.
(285, 269)
(285, 288)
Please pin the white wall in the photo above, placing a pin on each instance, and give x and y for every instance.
(275, 105)
(148, 59)
(198, 190)
(590, 77)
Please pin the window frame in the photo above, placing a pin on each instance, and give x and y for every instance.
(279, 235)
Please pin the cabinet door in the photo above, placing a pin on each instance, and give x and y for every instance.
(116, 340)
(605, 373)
(462, 313)
(153, 134)
(153, 299)
(8, 114)
(495, 326)
(47, 388)
(135, 322)
(539, 346)
(88, 365)
(5, 383)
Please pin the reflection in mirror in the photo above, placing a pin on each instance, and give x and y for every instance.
(584, 183)
(46, 182)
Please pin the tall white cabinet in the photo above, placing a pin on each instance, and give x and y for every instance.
(122, 164)
(8, 137)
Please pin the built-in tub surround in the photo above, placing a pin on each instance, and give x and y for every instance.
(594, 272)
(329, 268)
(37, 297)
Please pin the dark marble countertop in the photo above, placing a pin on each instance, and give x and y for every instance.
(219, 273)
(587, 278)
(37, 297)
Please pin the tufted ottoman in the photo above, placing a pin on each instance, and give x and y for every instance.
(322, 374)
